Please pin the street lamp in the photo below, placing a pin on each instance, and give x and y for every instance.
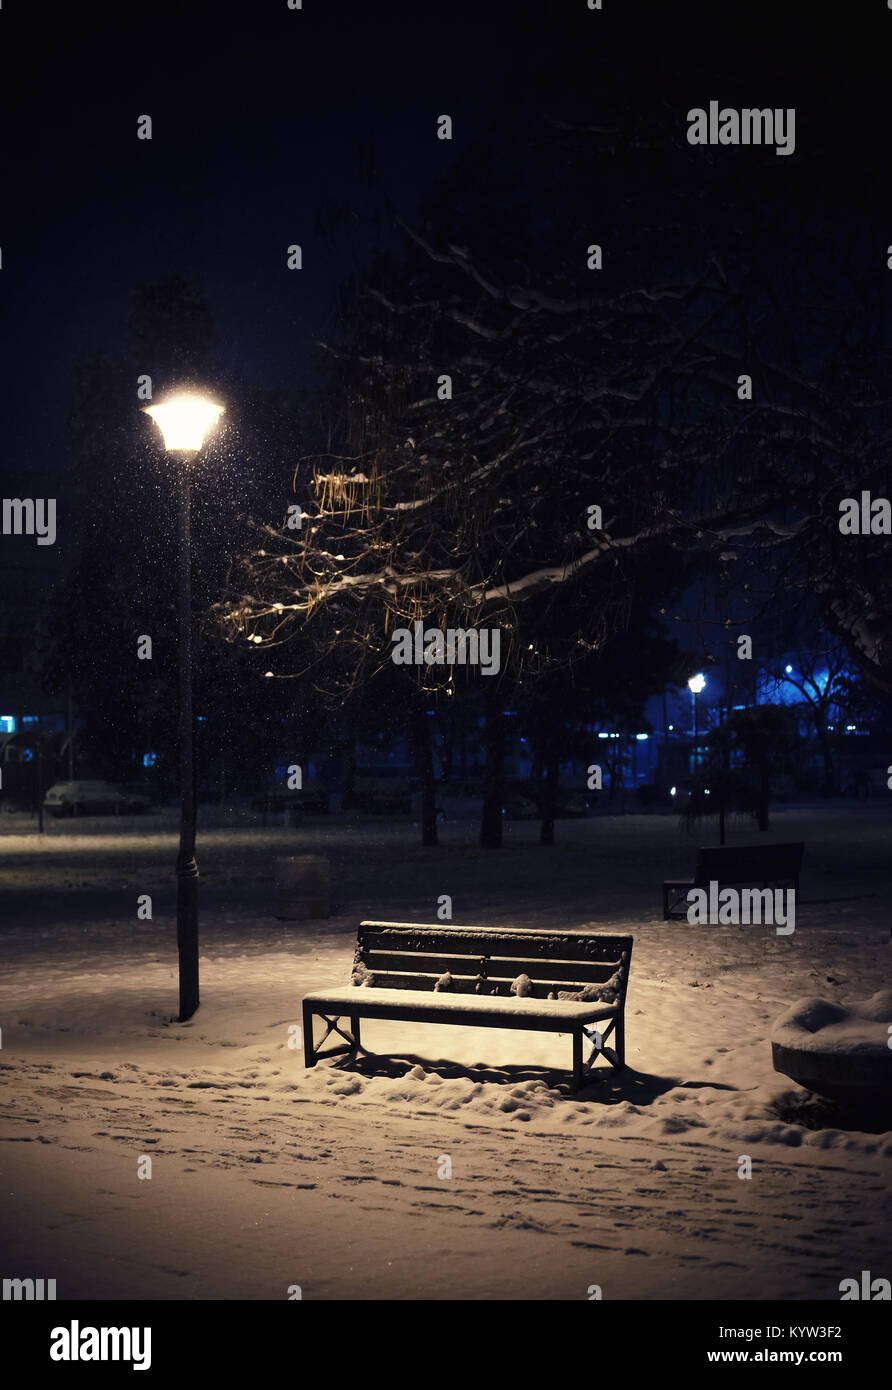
(184, 421)
(695, 685)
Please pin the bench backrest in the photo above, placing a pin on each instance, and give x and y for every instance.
(748, 863)
(480, 960)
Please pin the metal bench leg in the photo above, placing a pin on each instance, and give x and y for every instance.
(577, 1058)
(615, 1055)
(679, 898)
(620, 1040)
(316, 1052)
(309, 1054)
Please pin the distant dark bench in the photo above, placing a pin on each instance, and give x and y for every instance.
(435, 974)
(767, 866)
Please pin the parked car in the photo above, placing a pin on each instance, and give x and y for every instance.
(93, 799)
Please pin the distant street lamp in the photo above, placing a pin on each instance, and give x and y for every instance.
(185, 420)
(695, 685)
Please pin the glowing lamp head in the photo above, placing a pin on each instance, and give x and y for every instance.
(185, 420)
(696, 683)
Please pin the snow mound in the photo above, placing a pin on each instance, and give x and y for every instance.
(837, 1049)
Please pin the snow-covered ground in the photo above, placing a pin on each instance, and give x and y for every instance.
(456, 1164)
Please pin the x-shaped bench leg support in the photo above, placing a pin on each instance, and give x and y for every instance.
(597, 1039)
(351, 1045)
(675, 902)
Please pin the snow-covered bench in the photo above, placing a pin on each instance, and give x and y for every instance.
(552, 982)
(732, 865)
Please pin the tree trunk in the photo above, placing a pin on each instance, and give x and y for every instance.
(494, 779)
(723, 799)
(447, 754)
(764, 793)
(549, 794)
(724, 778)
(827, 757)
(424, 762)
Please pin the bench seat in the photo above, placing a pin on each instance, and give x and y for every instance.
(541, 1014)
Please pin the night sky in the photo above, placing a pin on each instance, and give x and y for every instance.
(263, 115)
(258, 120)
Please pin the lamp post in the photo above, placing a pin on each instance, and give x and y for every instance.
(695, 685)
(185, 420)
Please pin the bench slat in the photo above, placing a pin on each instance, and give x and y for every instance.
(507, 968)
(464, 984)
(517, 944)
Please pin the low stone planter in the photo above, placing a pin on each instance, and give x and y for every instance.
(303, 887)
(837, 1050)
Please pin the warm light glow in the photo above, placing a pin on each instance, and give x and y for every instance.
(185, 420)
(696, 683)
